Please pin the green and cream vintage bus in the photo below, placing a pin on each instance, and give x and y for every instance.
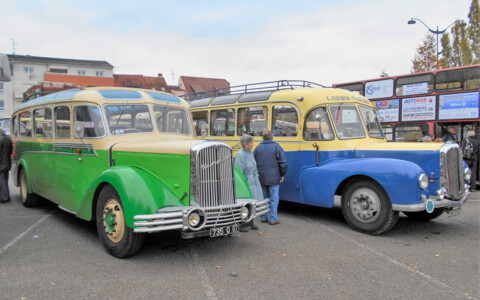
(128, 158)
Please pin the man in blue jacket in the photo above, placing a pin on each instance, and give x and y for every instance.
(272, 167)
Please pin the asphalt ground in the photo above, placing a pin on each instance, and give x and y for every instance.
(46, 253)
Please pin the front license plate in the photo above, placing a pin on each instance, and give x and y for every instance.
(226, 230)
(454, 212)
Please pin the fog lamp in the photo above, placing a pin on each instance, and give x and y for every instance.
(468, 174)
(245, 212)
(193, 219)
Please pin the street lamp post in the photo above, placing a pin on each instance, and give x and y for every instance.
(437, 32)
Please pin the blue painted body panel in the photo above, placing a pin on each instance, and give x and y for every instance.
(396, 171)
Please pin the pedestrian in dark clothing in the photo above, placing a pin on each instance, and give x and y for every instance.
(471, 152)
(5, 165)
(272, 167)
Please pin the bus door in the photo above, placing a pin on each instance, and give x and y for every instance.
(318, 136)
(285, 129)
(43, 170)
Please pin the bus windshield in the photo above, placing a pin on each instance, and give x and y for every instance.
(371, 121)
(347, 122)
(123, 119)
(171, 119)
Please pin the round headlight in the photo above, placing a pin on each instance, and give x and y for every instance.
(193, 219)
(423, 181)
(468, 174)
(245, 212)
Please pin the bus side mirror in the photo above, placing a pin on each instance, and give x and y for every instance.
(78, 129)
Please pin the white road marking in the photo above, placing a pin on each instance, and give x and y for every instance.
(207, 288)
(19, 237)
(399, 264)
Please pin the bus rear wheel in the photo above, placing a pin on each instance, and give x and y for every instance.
(28, 199)
(367, 208)
(118, 239)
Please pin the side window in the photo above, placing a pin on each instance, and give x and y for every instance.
(62, 122)
(317, 126)
(26, 124)
(222, 122)
(284, 120)
(252, 120)
(90, 118)
(200, 122)
(43, 123)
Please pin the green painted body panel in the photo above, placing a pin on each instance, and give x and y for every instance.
(242, 190)
(172, 169)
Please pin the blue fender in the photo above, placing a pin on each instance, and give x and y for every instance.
(141, 193)
(397, 177)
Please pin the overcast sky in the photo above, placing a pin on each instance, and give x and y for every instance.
(242, 41)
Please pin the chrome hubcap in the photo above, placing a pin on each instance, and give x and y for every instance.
(365, 205)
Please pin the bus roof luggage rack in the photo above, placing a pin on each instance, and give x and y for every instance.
(269, 86)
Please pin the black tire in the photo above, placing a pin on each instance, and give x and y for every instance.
(367, 208)
(28, 199)
(423, 215)
(118, 239)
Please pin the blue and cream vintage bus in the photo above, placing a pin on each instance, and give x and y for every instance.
(335, 145)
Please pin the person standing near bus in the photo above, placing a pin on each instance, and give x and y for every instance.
(272, 167)
(5, 165)
(245, 162)
(471, 148)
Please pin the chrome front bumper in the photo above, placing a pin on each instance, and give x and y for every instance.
(176, 218)
(438, 203)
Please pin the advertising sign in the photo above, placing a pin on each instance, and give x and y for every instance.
(415, 89)
(418, 109)
(379, 89)
(458, 106)
(388, 110)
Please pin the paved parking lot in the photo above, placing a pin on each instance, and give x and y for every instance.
(46, 253)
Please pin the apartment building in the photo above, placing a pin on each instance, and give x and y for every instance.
(29, 70)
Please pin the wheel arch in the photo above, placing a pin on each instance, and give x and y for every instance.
(342, 187)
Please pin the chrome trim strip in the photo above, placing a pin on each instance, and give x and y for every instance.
(437, 204)
(67, 210)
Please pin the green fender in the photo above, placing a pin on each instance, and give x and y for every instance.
(23, 164)
(141, 193)
(242, 190)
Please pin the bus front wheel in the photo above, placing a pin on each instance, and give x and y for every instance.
(367, 208)
(118, 239)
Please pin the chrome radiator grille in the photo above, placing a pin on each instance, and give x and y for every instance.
(451, 170)
(212, 178)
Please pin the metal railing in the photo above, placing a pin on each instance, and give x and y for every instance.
(251, 88)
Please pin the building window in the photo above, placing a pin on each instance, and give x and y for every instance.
(81, 72)
(58, 70)
(2, 105)
(28, 70)
(1, 86)
(99, 73)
